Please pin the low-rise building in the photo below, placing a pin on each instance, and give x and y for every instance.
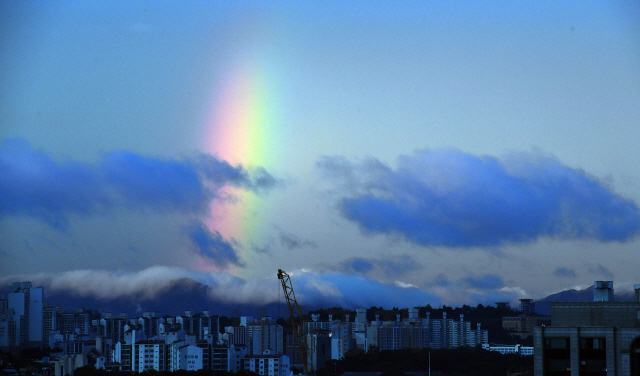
(509, 349)
(522, 326)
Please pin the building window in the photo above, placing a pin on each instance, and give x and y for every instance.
(557, 357)
(593, 356)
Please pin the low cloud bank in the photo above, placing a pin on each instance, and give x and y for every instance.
(312, 289)
(450, 198)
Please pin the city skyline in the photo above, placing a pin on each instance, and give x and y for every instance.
(380, 153)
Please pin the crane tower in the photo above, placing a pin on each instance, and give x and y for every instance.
(296, 321)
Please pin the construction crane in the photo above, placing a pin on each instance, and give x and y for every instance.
(296, 320)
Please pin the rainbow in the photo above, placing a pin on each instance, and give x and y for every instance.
(241, 130)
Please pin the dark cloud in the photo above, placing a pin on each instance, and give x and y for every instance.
(486, 282)
(213, 246)
(264, 249)
(33, 184)
(153, 182)
(565, 272)
(392, 267)
(222, 173)
(395, 267)
(441, 280)
(600, 270)
(292, 242)
(358, 265)
(262, 180)
(449, 198)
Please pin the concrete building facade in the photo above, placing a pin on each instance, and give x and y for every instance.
(590, 338)
(264, 334)
(21, 315)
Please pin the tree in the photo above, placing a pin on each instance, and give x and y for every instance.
(373, 350)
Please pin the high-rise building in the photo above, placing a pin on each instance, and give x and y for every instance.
(527, 307)
(319, 342)
(76, 323)
(199, 324)
(49, 323)
(264, 334)
(112, 327)
(411, 332)
(341, 340)
(235, 335)
(22, 316)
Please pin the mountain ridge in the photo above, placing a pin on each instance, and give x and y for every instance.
(188, 294)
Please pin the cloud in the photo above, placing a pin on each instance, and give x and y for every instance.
(404, 284)
(34, 185)
(565, 272)
(266, 249)
(153, 182)
(213, 246)
(441, 280)
(600, 270)
(107, 285)
(222, 173)
(290, 241)
(392, 267)
(484, 289)
(359, 265)
(352, 291)
(312, 289)
(261, 180)
(486, 282)
(449, 198)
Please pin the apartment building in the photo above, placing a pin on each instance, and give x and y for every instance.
(264, 334)
(21, 316)
(269, 364)
(415, 332)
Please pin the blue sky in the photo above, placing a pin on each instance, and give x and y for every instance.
(449, 153)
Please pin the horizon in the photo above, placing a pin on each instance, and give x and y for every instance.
(166, 305)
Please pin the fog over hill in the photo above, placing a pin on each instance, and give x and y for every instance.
(173, 290)
(174, 296)
(184, 294)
